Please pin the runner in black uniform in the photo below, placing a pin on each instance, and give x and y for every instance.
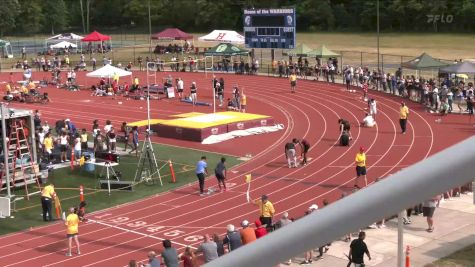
(305, 145)
(345, 127)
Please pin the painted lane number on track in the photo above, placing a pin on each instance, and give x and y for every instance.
(153, 228)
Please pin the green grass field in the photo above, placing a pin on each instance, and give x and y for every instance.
(392, 45)
(462, 258)
(67, 183)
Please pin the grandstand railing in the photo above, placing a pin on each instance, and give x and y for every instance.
(419, 182)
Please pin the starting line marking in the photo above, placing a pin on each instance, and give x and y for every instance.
(136, 232)
(377, 166)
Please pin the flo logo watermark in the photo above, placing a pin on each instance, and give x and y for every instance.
(440, 18)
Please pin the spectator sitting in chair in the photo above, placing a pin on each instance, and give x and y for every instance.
(368, 121)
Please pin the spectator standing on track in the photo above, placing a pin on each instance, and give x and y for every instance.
(72, 224)
(153, 261)
(47, 196)
(232, 238)
(360, 161)
(293, 82)
(403, 115)
(372, 108)
(357, 250)
(305, 145)
(208, 248)
(290, 154)
(220, 173)
(260, 230)
(428, 208)
(179, 87)
(193, 94)
(243, 102)
(169, 254)
(247, 234)
(220, 95)
(266, 210)
(201, 170)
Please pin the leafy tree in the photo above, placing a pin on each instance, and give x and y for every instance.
(9, 10)
(31, 11)
(56, 15)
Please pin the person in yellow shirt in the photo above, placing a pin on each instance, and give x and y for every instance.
(293, 82)
(47, 196)
(403, 115)
(31, 85)
(48, 144)
(360, 161)
(24, 90)
(8, 89)
(72, 225)
(266, 210)
(243, 102)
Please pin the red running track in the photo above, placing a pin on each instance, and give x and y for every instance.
(116, 235)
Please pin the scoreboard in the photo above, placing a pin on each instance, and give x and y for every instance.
(269, 28)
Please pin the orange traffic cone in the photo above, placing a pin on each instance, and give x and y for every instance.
(172, 172)
(81, 193)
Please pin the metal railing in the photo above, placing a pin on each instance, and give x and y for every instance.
(422, 181)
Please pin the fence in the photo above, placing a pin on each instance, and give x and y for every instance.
(412, 185)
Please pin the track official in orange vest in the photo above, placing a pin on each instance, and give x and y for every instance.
(47, 196)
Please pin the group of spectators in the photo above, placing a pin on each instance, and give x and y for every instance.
(174, 48)
(67, 138)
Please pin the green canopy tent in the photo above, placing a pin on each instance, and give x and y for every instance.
(423, 62)
(302, 50)
(224, 49)
(324, 52)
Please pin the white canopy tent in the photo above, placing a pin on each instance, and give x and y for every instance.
(223, 36)
(70, 37)
(108, 71)
(63, 44)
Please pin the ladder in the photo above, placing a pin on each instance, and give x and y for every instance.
(22, 169)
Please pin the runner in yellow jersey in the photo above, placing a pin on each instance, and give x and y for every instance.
(293, 82)
(72, 225)
(360, 161)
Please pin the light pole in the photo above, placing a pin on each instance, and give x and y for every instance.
(149, 32)
(377, 29)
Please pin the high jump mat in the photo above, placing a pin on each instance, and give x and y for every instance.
(198, 126)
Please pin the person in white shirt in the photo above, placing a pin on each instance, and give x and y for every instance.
(372, 108)
(179, 87)
(368, 121)
(77, 148)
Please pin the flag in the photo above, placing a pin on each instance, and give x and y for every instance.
(248, 181)
(248, 178)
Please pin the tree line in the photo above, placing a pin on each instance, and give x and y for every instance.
(23, 17)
